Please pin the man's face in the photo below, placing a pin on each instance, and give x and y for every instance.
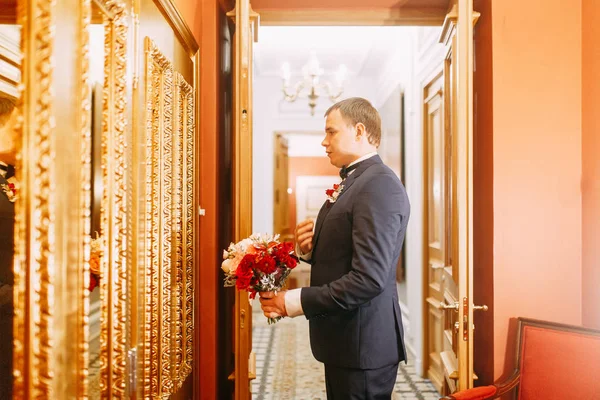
(340, 140)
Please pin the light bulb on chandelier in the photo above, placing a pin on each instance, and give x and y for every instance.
(310, 86)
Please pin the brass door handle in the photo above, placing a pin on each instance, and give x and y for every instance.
(444, 306)
(482, 308)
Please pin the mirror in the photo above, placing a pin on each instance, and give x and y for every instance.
(96, 81)
(10, 77)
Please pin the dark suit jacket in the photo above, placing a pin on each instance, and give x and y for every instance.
(352, 302)
(7, 217)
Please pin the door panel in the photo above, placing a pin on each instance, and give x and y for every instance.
(436, 216)
(281, 219)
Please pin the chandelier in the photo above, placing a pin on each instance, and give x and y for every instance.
(310, 86)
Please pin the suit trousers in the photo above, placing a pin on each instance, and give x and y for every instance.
(360, 384)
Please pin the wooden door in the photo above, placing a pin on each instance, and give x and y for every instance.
(281, 213)
(456, 288)
(246, 25)
(436, 216)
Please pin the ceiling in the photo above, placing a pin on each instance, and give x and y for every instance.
(346, 4)
(364, 50)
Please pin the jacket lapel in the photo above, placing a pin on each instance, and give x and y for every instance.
(346, 183)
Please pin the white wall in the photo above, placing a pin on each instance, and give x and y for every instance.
(417, 56)
(305, 144)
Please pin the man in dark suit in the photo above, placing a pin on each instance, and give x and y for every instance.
(352, 302)
(7, 217)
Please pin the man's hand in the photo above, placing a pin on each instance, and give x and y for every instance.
(8, 140)
(304, 235)
(273, 304)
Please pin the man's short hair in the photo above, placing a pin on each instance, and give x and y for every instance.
(7, 105)
(357, 109)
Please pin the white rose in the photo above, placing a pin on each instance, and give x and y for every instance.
(228, 266)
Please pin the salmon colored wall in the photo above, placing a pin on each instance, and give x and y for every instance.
(591, 164)
(311, 166)
(191, 10)
(537, 164)
(206, 25)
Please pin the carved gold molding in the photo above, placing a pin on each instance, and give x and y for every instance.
(33, 315)
(168, 319)
(52, 223)
(116, 260)
(183, 326)
(33, 278)
(159, 132)
(86, 197)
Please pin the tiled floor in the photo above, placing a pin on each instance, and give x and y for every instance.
(286, 368)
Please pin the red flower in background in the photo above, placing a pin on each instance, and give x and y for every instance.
(93, 282)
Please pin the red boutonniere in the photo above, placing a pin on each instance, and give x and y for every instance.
(333, 194)
(10, 190)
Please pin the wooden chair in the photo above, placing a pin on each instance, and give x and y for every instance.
(554, 361)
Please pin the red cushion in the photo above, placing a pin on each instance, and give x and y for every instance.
(478, 393)
(559, 365)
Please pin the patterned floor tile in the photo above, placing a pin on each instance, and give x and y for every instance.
(287, 369)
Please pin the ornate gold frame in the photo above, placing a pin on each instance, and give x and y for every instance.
(159, 132)
(169, 227)
(183, 299)
(115, 212)
(52, 225)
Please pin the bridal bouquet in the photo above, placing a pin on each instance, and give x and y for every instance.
(95, 255)
(259, 263)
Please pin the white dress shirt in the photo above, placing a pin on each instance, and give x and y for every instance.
(293, 303)
(2, 170)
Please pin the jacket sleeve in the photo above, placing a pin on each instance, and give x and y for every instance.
(377, 221)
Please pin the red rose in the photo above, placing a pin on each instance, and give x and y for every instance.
(244, 272)
(93, 282)
(288, 247)
(291, 262)
(266, 264)
(282, 254)
(329, 192)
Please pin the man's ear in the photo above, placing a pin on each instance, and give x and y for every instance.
(360, 130)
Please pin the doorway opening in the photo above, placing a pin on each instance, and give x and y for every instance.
(390, 66)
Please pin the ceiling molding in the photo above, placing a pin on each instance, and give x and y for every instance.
(372, 17)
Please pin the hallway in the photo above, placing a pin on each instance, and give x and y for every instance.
(286, 368)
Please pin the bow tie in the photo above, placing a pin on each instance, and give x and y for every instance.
(10, 170)
(345, 171)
